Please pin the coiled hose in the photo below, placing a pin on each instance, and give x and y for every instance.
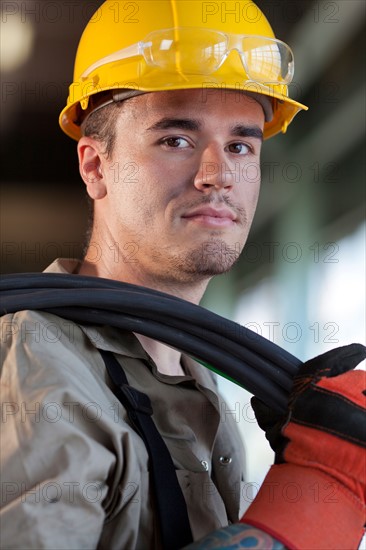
(229, 349)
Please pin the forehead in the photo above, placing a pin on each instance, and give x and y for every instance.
(202, 104)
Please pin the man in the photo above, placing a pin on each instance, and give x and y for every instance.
(169, 104)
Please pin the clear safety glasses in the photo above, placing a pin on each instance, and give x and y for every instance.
(193, 51)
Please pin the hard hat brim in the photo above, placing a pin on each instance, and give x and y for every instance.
(284, 108)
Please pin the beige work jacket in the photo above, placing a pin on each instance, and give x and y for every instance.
(75, 474)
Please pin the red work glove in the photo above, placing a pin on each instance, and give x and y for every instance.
(315, 495)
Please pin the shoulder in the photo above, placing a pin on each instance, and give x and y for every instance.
(36, 346)
(30, 327)
(39, 330)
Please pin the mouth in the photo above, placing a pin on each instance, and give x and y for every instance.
(211, 217)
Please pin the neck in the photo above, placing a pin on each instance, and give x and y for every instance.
(167, 360)
(191, 291)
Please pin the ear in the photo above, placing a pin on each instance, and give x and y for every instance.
(91, 164)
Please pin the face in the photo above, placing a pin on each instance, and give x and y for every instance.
(183, 181)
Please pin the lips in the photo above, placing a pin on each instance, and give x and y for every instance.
(208, 211)
(210, 217)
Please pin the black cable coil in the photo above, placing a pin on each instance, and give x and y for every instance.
(229, 349)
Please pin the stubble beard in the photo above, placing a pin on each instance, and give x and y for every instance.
(202, 260)
(210, 258)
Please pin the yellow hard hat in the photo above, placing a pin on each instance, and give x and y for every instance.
(155, 45)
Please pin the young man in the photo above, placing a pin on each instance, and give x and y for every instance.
(169, 104)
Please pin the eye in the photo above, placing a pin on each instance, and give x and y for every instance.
(239, 148)
(176, 142)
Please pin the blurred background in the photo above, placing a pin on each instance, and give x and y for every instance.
(301, 279)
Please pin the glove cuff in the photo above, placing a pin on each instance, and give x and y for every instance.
(303, 507)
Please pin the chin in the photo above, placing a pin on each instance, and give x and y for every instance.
(214, 258)
(212, 269)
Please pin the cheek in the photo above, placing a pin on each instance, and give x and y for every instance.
(123, 177)
(251, 174)
(145, 195)
(250, 186)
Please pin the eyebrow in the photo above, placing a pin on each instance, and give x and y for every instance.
(192, 124)
(247, 131)
(181, 123)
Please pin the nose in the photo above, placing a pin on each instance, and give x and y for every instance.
(213, 172)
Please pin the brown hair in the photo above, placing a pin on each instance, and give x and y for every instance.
(101, 125)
